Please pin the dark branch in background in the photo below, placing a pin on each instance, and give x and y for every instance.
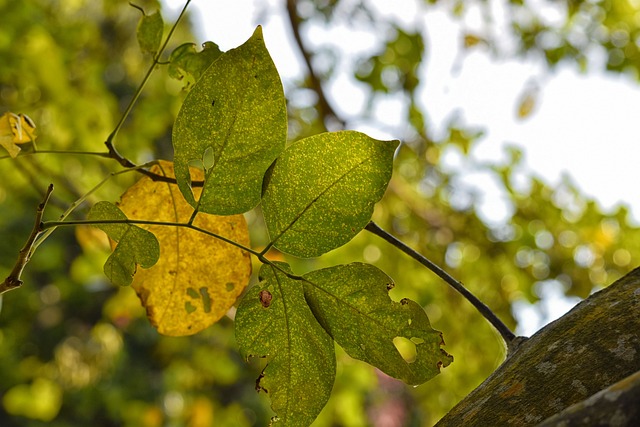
(13, 280)
(324, 108)
(512, 341)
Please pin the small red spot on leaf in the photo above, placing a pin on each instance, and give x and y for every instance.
(265, 298)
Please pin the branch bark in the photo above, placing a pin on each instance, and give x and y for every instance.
(594, 346)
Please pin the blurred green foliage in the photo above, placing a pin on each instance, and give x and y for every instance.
(74, 350)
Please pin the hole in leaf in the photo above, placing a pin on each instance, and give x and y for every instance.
(208, 158)
(406, 348)
(189, 307)
(206, 299)
(230, 286)
(192, 293)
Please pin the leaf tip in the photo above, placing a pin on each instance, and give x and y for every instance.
(258, 31)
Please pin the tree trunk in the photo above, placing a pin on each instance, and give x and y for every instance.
(589, 358)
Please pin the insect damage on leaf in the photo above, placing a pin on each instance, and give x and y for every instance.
(300, 355)
(198, 276)
(352, 303)
(237, 111)
(265, 298)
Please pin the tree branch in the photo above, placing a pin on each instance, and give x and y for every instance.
(595, 345)
(13, 280)
(324, 107)
(510, 339)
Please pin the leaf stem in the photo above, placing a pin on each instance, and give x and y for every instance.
(51, 224)
(113, 153)
(14, 280)
(507, 335)
(47, 232)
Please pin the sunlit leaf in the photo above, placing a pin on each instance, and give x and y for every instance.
(352, 304)
(198, 276)
(233, 124)
(187, 64)
(16, 129)
(135, 245)
(320, 192)
(273, 321)
(150, 32)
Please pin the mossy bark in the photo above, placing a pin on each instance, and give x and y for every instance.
(594, 346)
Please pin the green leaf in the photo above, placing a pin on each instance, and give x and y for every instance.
(135, 245)
(187, 64)
(352, 304)
(150, 32)
(233, 124)
(320, 193)
(274, 321)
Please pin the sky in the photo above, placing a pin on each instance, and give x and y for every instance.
(582, 125)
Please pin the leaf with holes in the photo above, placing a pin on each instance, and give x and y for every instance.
(274, 321)
(187, 64)
(135, 245)
(352, 304)
(233, 124)
(199, 276)
(321, 191)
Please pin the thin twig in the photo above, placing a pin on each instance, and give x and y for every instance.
(324, 107)
(109, 143)
(54, 224)
(509, 337)
(14, 279)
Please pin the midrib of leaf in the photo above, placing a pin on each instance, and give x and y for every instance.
(286, 319)
(311, 203)
(216, 160)
(177, 265)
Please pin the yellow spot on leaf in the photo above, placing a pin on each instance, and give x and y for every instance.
(188, 289)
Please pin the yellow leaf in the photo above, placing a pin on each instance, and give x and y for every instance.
(16, 129)
(198, 277)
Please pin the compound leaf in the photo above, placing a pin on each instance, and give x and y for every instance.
(321, 191)
(135, 245)
(352, 303)
(233, 124)
(198, 277)
(274, 321)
